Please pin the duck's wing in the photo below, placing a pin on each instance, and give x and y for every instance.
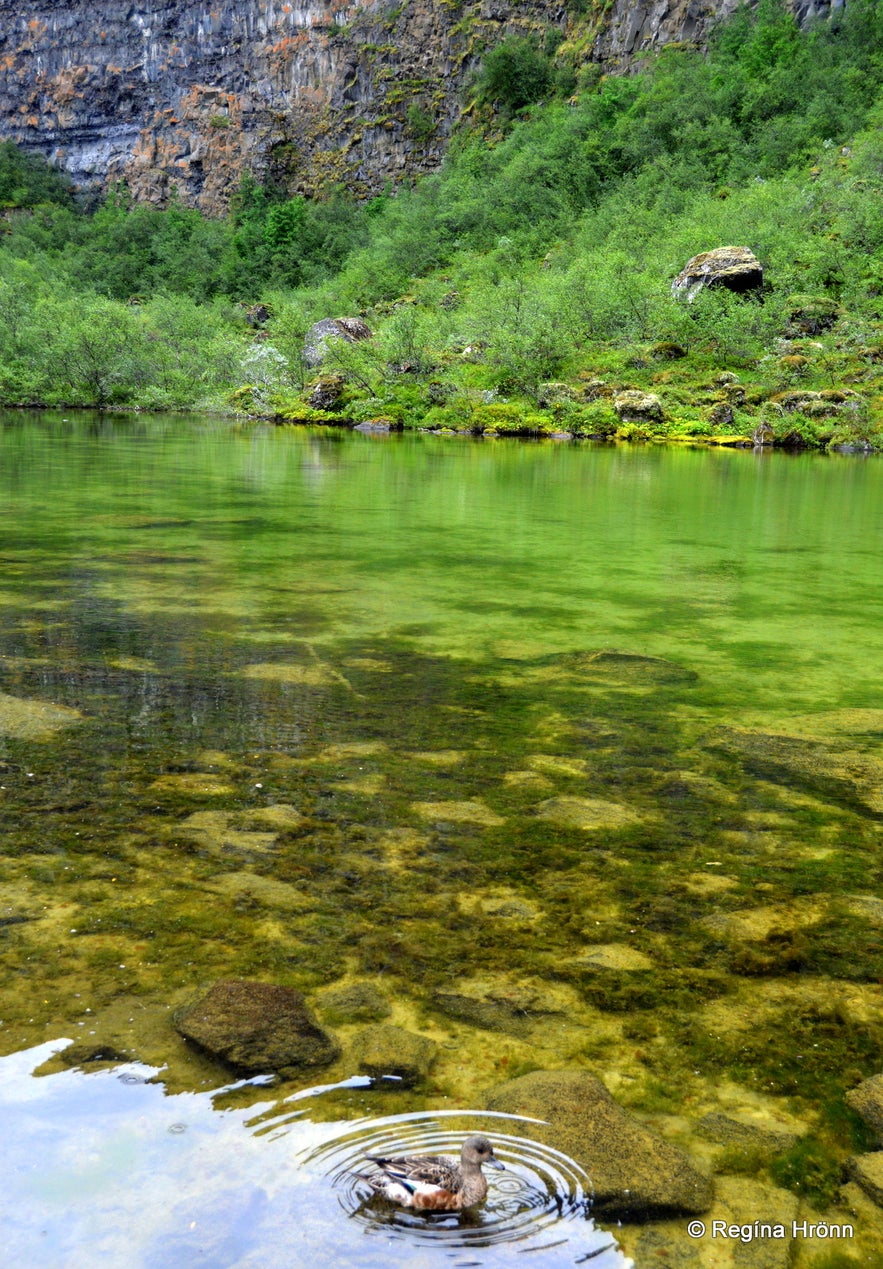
(421, 1172)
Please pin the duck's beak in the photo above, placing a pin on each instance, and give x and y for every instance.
(496, 1165)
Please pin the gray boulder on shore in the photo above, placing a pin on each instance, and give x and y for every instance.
(734, 269)
(331, 330)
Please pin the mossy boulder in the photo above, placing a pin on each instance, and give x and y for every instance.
(812, 314)
(666, 350)
(551, 394)
(635, 1174)
(326, 393)
(816, 404)
(594, 388)
(634, 406)
(389, 1053)
(255, 1027)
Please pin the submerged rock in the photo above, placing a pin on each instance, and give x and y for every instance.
(201, 784)
(278, 815)
(250, 889)
(469, 811)
(635, 1174)
(587, 814)
(828, 771)
(509, 907)
(757, 925)
(359, 1002)
(867, 1171)
(24, 719)
(505, 1005)
(867, 906)
(391, 1053)
(256, 1027)
(221, 833)
(78, 1055)
(742, 1200)
(612, 956)
(668, 1244)
(724, 1130)
(867, 1100)
(311, 674)
(627, 667)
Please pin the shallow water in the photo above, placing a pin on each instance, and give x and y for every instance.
(108, 1169)
(572, 752)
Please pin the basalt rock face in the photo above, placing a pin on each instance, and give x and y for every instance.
(182, 98)
(632, 29)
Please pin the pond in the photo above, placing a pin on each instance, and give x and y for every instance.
(568, 755)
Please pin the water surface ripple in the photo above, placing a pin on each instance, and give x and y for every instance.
(543, 1199)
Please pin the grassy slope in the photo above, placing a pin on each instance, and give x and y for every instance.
(527, 284)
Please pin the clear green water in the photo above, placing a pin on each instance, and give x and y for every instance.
(574, 753)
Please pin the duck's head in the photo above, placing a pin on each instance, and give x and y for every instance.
(477, 1151)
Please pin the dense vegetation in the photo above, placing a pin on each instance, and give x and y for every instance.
(528, 280)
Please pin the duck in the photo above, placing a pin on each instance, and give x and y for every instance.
(435, 1182)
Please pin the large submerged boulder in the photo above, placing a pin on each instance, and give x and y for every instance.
(256, 1027)
(634, 1173)
(734, 269)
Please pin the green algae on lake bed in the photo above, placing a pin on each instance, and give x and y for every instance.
(571, 756)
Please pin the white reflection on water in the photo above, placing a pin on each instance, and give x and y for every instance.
(106, 1169)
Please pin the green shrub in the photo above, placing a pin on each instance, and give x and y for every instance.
(27, 180)
(514, 74)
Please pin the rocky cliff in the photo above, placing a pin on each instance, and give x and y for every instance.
(632, 28)
(180, 97)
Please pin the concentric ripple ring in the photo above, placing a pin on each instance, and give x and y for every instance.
(540, 1188)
